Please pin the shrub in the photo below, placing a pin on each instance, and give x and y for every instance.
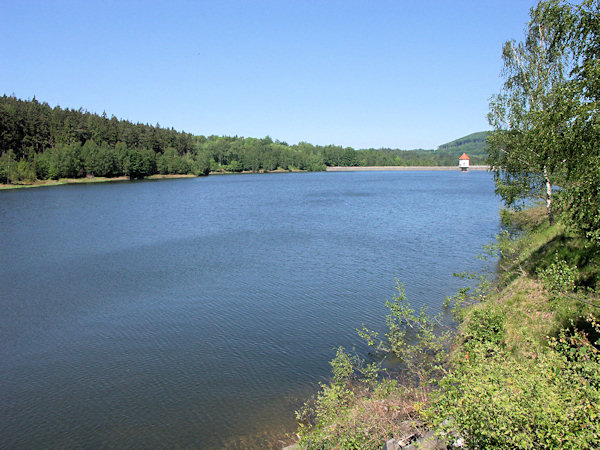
(359, 410)
(559, 276)
(418, 340)
(549, 401)
(342, 366)
(484, 327)
(357, 416)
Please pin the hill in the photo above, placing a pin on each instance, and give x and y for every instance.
(473, 144)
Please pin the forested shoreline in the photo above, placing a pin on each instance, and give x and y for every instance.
(40, 142)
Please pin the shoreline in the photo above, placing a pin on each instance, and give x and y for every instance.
(88, 180)
(515, 321)
(401, 168)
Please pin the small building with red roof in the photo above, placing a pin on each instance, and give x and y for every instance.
(463, 162)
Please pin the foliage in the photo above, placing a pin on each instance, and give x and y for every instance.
(358, 408)
(357, 415)
(522, 375)
(445, 155)
(580, 197)
(546, 124)
(559, 276)
(485, 327)
(365, 420)
(342, 366)
(418, 340)
(551, 400)
(474, 144)
(140, 163)
(524, 149)
(580, 200)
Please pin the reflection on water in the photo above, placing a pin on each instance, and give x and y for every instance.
(202, 312)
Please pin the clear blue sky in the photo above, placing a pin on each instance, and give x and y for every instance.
(400, 74)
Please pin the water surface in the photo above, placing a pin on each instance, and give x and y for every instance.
(201, 312)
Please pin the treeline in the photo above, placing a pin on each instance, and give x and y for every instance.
(38, 142)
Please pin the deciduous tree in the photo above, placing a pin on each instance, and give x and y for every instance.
(524, 149)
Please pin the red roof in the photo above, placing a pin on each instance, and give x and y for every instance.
(464, 156)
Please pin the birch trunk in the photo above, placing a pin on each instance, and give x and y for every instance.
(548, 196)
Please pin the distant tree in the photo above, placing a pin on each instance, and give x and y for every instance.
(202, 164)
(90, 155)
(42, 166)
(65, 161)
(26, 170)
(234, 166)
(8, 163)
(140, 163)
(121, 154)
(108, 162)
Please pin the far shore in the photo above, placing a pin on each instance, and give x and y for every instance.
(388, 168)
(86, 180)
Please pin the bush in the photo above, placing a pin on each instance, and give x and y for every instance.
(357, 409)
(357, 415)
(559, 276)
(549, 401)
(484, 328)
(418, 340)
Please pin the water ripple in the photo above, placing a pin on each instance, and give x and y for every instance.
(202, 312)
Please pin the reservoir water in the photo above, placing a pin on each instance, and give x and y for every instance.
(202, 312)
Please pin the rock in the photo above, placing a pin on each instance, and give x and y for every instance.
(408, 426)
(407, 440)
(428, 442)
(392, 444)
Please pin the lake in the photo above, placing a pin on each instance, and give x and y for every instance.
(202, 312)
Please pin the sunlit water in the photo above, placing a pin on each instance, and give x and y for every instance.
(202, 312)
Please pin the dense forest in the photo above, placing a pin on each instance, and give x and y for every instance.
(38, 142)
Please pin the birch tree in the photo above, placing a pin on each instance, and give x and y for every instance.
(580, 196)
(524, 147)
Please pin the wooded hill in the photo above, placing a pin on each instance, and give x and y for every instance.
(474, 145)
(39, 142)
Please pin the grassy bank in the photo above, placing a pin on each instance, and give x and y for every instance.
(520, 370)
